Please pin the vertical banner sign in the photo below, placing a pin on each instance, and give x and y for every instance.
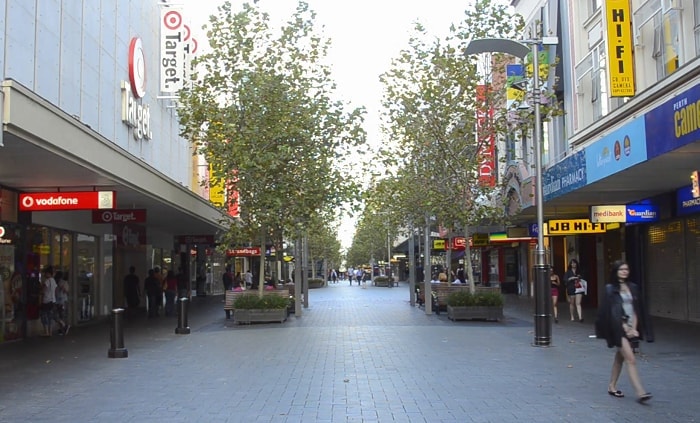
(189, 50)
(619, 39)
(172, 50)
(217, 195)
(485, 138)
(234, 207)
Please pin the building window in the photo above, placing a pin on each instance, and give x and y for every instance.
(593, 6)
(599, 88)
(696, 10)
(667, 40)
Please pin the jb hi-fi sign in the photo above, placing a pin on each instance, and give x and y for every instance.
(60, 201)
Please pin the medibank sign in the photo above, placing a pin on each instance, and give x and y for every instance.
(58, 201)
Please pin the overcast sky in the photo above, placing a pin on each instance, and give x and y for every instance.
(365, 35)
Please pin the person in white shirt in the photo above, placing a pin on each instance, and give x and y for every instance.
(48, 299)
(248, 278)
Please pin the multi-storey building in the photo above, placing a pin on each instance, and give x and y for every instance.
(94, 175)
(617, 178)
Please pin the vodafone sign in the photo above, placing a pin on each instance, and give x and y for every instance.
(56, 201)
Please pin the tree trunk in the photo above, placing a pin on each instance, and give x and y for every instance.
(468, 261)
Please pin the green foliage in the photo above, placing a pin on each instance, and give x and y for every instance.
(465, 298)
(255, 302)
(260, 109)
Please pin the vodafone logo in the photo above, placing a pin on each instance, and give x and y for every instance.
(29, 201)
(2, 231)
(137, 68)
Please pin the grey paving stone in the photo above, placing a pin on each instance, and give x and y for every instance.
(355, 355)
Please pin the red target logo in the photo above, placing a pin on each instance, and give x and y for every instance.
(172, 20)
(137, 68)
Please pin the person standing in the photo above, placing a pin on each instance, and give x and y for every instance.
(622, 321)
(170, 293)
(154, 292)
(48, 299)
(359, 275)
(554, 284)
(59, 314)
(248, 279)
(131, 289)
(573, 278)
(227, 278)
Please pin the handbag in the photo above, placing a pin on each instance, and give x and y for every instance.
(578, 285)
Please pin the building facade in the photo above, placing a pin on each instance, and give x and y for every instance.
(94, 176)
(617, 179)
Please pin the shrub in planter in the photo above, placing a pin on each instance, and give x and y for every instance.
(462, 298)
(464, 305)
(266, 302)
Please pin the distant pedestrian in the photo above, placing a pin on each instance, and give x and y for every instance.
(48, 300)
(248, 277)
(554, 284)
(227, 278)
(573, 283)
(622, 321)
(132, 291)
(170, 293)
(154, 293)
(358, 275)
(59, 312)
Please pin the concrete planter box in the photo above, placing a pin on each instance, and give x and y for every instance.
(245, 316)
(475, 313)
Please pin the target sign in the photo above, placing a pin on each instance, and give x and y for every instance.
(172, 20)
(137, 68)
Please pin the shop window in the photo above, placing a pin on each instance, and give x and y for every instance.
(86, 266)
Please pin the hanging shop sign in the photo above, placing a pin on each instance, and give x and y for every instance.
(243, 252)
(459, 243)
(196, 239)
(135, 114)
(172, 50)
(129, 236)
(619, 34)
(574, 227)
(685, 202)
(480, 240)
(119, 215)
(438, 244)
(59, 201)
(630, 213)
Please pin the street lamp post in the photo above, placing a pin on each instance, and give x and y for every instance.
(543, 300)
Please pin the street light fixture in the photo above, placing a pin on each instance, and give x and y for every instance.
(543, 304)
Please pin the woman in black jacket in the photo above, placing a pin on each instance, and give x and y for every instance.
(622, 321)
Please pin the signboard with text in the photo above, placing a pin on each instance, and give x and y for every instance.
(61, 201)
(621, 149)
(574, 227)
(620, 49)
(119, 215)
(243, 252)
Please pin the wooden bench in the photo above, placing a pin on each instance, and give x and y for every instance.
(230, 296)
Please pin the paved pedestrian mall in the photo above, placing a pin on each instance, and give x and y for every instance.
(355, 355)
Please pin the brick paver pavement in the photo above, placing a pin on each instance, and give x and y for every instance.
(355, 355)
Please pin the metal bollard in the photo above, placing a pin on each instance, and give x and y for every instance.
(116, 335)
(182, 328)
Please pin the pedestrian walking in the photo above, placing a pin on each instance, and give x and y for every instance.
(170, 293)
(48, 300)
(358, 275)
(573, 283)
(623, 321)
(227, 278)
(154, 292)
(59, 312)
(554, 284)
(131, 289)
